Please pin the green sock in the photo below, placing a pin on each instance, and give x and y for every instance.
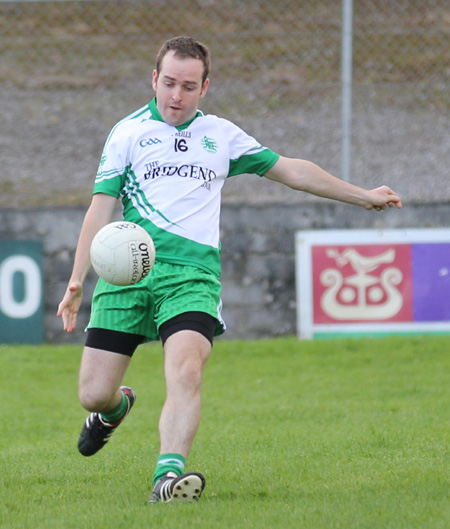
(117, 413)
(169, 463)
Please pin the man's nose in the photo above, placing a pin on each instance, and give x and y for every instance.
(176, 94)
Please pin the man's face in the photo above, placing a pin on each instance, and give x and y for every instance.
(178, 88)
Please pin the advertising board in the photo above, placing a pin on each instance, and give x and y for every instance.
(372, 282)
(21, 292)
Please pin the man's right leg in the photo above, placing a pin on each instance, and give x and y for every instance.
(101, 374)
(101, 393)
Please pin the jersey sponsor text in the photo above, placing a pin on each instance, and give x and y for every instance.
(185, 171)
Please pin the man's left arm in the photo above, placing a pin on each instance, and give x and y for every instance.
(303, 175)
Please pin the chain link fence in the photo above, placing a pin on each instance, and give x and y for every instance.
(71, 69)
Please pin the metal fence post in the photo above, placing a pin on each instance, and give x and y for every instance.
(346, 84)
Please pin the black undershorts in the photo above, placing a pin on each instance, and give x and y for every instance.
(126, 343)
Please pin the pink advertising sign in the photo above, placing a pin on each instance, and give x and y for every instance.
(367, 282)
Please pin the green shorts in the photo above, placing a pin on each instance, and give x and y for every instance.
(168, 290)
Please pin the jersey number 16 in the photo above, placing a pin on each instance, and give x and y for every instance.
(180, 145)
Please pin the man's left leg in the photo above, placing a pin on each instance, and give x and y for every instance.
(185, 355)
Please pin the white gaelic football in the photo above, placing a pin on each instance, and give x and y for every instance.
(122, 253)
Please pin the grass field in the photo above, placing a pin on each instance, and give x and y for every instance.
(330, 434)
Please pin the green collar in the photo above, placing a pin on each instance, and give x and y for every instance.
(157, 116)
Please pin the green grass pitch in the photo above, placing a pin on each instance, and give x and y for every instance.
(332, 434)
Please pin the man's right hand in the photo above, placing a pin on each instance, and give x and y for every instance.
(70, 305)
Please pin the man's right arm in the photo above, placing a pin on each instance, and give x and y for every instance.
(99, 214)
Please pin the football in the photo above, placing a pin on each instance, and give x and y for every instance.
(122, 253)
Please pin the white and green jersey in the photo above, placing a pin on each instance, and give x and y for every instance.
(170, 179)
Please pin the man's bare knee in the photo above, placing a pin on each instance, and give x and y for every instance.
(101, 375)
(93, 400)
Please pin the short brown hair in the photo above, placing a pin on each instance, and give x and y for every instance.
(185, 47)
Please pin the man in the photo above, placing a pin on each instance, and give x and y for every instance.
(168, 162)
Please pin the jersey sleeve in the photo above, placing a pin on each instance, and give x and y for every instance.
(113, 166)
(247, 156)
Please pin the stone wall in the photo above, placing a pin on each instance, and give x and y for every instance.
(257, 256)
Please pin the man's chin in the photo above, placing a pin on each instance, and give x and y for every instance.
(174, 118)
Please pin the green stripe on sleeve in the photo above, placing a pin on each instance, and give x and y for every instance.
(257, 163)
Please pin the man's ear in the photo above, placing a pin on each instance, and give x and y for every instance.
(154, 79)
(204, 88)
